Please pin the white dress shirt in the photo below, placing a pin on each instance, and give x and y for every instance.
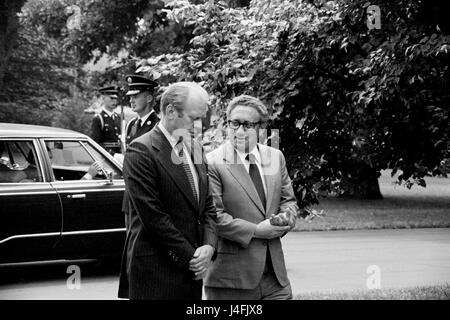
(255, 152)
(109, 113)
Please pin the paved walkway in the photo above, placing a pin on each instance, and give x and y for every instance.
(339, 260)
(316, 261)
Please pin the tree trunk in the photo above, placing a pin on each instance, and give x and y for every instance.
(9, 25)
(361, 183)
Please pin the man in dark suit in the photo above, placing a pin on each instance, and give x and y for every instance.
(172, 234)
(105, 127)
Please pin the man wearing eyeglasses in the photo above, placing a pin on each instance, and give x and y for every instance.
(250, 184)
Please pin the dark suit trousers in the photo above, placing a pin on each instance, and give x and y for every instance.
(172, 284)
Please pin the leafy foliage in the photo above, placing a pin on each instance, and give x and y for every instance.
(93, 27)
(9, 24)
(39, 76)
(71, 113)
(348, 101)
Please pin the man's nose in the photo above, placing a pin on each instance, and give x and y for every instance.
(241, 131)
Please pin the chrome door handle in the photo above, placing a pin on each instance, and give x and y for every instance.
(77, 196)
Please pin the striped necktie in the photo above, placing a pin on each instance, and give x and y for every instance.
(187, 169)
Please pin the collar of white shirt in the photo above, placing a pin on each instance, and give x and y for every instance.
(243, 155)
(145, 118)
(109, 113)
(172, 140)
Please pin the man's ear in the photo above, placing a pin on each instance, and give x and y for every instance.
(150, 99)
(170, 111)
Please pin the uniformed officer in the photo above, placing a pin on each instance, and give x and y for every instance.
(105, 129)
(142, 99)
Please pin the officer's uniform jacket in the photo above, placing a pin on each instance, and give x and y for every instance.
(133, 132)
(105, 130)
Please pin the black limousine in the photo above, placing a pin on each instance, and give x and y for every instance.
(48, 209)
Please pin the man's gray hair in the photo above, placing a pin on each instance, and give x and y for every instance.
(248, 101)
(178, 93)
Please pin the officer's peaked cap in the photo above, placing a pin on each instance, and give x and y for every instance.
(138, 84)
(109, 91)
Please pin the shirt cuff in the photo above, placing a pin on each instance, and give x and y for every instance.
(87, 176)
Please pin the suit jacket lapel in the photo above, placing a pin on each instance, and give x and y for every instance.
(151, 121)
(154, 118)
(143, 129)
(237, 169)
(175, 171)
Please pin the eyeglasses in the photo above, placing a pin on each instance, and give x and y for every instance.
(236, 124)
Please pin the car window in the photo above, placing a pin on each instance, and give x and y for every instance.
(68, 159)
(108, 165)
(71, 160)
(18, 162)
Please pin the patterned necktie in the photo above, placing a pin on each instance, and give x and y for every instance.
(187, 169)
(256, 178)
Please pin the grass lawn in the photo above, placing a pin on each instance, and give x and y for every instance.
(441, 292)
(401, 208)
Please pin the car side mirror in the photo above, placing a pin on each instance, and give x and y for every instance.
(109, 176)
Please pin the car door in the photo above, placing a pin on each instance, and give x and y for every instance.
(93, 224)
(30, 209)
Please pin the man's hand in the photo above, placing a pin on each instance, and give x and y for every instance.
(94, 168)
(292, 216)
(200, 262)
(200, 275)
(286, 217)
(265, 230)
